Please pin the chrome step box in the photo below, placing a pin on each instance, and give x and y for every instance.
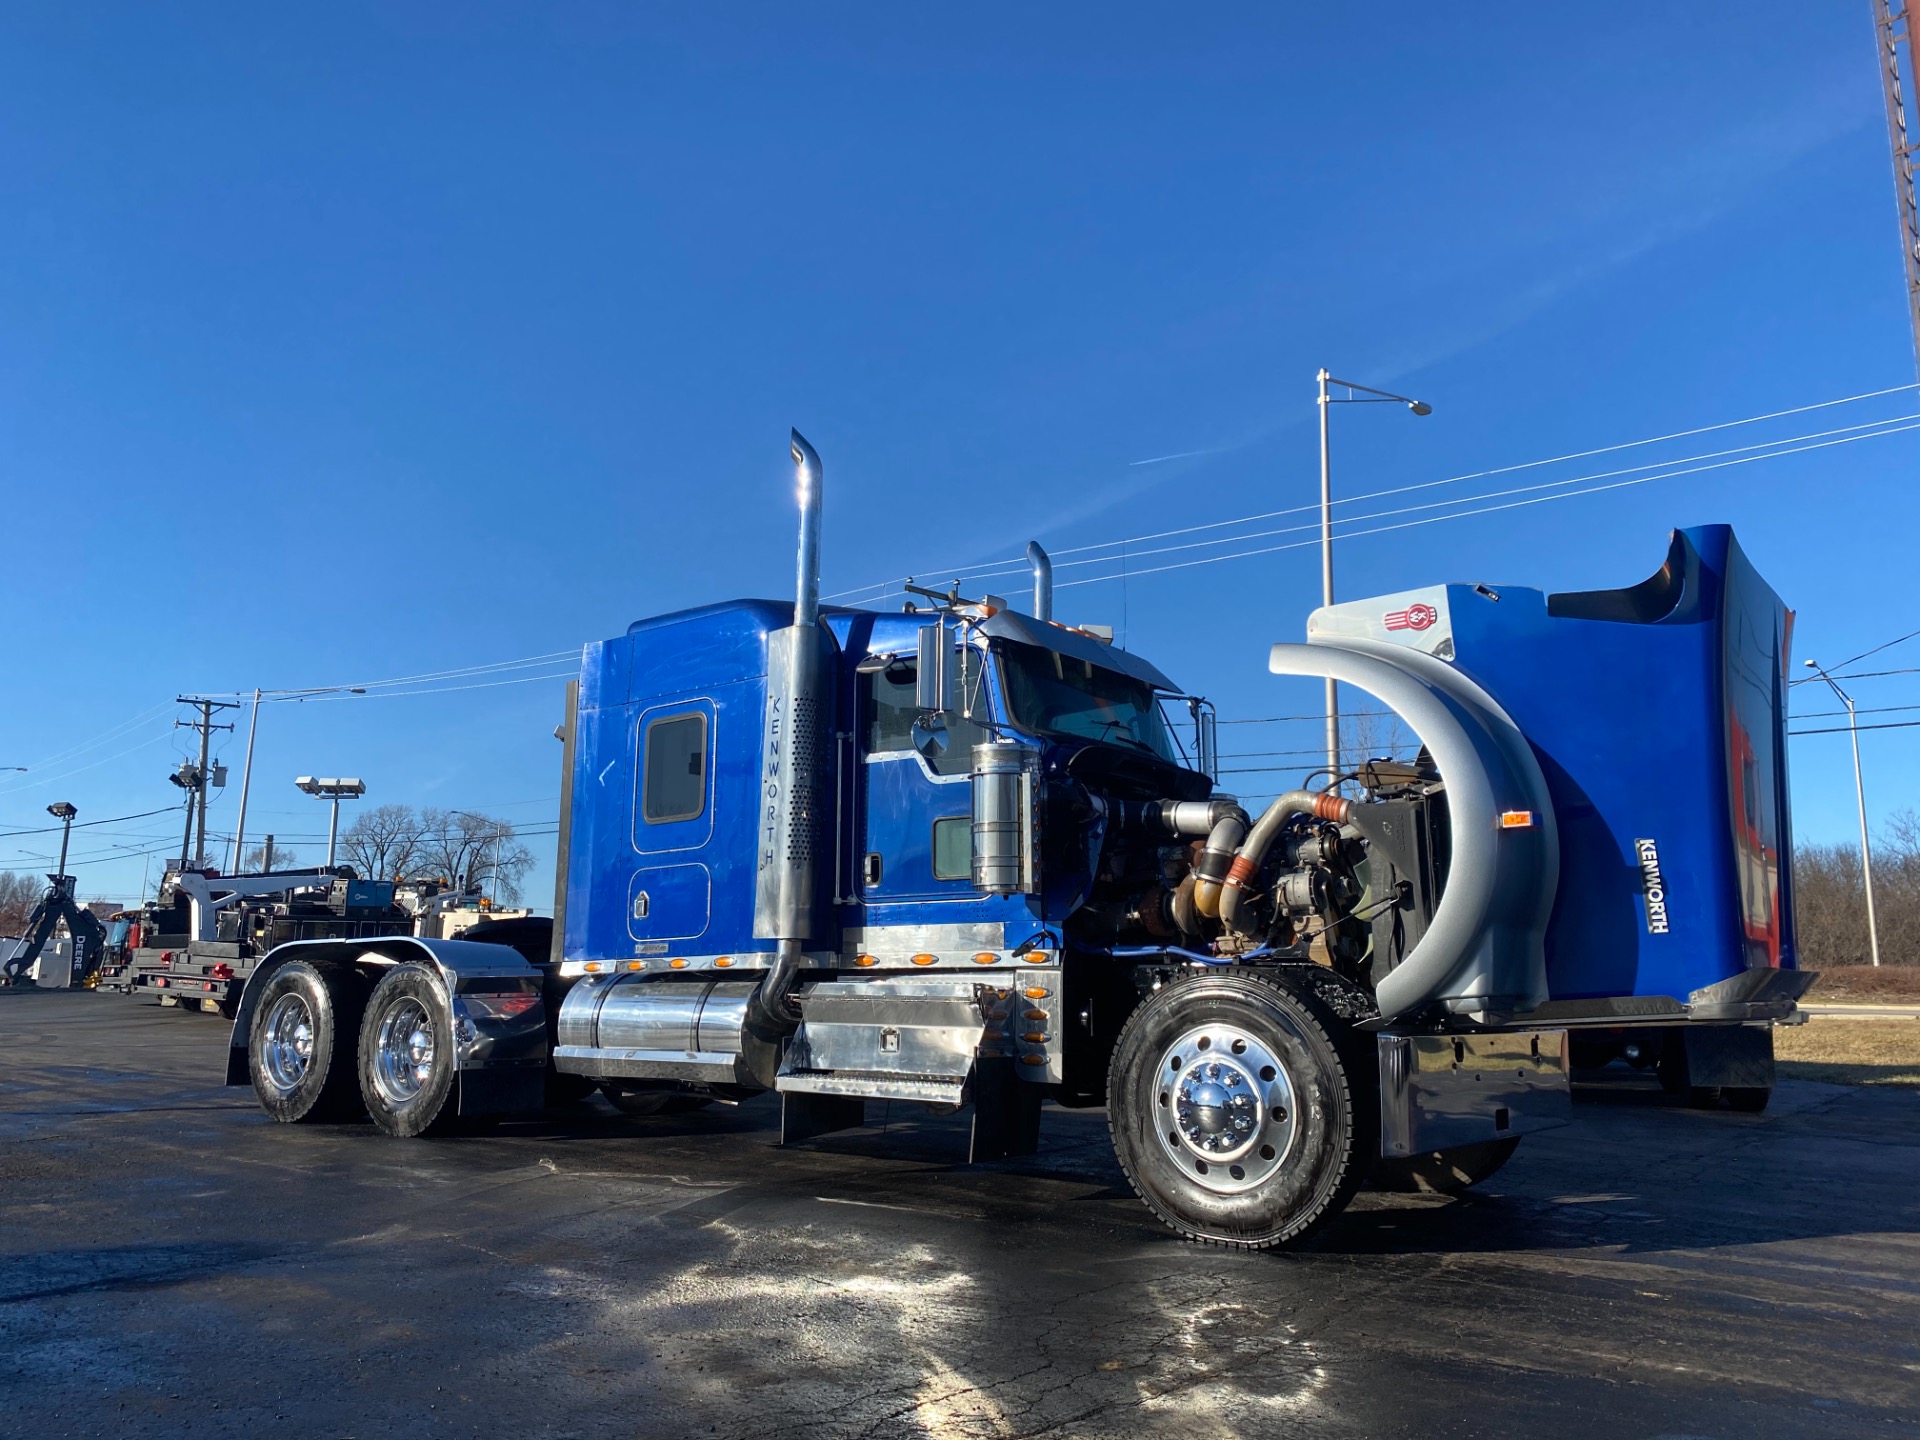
(914, 1039)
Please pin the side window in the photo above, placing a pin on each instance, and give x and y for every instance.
(888, 707)
(674, 776)
(953, 848)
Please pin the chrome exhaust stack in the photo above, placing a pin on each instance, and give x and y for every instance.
(1042, 566)
(794, 785)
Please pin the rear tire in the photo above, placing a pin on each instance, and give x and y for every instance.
(1243, 1113)
(407, 1057)
(300, 1045)
(1445, 1172)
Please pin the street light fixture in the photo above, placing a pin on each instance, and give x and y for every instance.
(1356, 395)
(1860, 799)
(64, 813)
(335, 790)
(253, 726)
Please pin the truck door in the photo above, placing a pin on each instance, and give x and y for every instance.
(670, 895)
(916, 832)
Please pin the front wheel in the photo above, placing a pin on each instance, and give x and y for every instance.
(407, 1058)
(1243, 1113)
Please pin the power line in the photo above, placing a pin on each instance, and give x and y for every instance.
(1013, 566)
(1843, 729)
(88, 824)
(1863, 710)
(1486, 509)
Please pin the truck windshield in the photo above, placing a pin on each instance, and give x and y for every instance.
(1051, 694)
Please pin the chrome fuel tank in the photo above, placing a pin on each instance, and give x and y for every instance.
(633, 1027)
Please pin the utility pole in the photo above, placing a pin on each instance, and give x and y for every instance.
(206, 727)
(1895, 23)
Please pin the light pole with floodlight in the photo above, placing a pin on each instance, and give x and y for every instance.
(335, 790)
(1356, 395)
(253, 726)
(1860, 799)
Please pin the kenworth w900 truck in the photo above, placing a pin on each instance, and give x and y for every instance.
(962, 856)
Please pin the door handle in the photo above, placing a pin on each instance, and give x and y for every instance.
(871, 869)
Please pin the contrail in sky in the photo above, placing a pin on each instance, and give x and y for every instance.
(1159, 459)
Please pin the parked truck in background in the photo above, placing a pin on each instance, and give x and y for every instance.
(197, 942)
(967, 856)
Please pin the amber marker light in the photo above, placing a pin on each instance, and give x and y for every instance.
(926, 959)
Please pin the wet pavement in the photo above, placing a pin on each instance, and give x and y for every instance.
(173, 1263)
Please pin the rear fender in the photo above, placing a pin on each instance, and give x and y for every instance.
(499, 1019)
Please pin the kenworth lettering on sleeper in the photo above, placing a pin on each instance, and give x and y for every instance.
(1653, 889)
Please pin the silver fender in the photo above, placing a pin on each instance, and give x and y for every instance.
(487, 1038)
(1484, 954)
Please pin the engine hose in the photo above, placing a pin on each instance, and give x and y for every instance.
(1210, 874)
(1322, 805)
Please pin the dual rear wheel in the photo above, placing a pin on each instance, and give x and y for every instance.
(328, 1045)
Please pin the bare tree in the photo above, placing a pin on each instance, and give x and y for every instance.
(1375, 735)
(1830, 900)
(18, 895)
(386, 843)
(259, 862)
(464, 846)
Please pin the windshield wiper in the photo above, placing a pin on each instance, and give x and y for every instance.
(1129, 738)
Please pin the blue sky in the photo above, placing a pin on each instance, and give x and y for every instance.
(377, 341)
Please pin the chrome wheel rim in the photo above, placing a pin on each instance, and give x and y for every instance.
(403, 1052)
(1224, 1107)
(286, 1043)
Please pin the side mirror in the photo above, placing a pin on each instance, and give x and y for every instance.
(937, 685)
(930, 735)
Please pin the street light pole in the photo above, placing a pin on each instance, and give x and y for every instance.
(1327, 400)
(246, 780)
(1860, 801)
(336, 791)
(253, 726)
(1326, 573)
(64, 813)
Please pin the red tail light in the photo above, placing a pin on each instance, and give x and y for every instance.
(222, 971)
(160, 982)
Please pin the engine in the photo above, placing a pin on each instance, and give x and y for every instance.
(1349, 884)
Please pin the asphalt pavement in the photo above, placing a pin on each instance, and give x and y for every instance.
(174, 1263)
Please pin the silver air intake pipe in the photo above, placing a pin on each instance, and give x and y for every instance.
(794, 790)
(1042, 581)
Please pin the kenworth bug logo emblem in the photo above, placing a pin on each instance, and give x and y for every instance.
(1653, 888)
(1414, 617)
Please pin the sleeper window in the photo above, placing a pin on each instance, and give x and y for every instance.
(674, 780)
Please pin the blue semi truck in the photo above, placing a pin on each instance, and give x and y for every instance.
(965, 856)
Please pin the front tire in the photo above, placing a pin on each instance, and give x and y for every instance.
(407, 1057)
(300, 1045)
(1243, 1113)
